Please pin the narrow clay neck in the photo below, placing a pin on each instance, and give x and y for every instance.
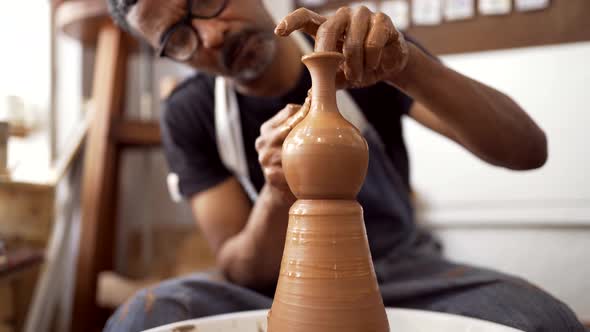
(323, 67)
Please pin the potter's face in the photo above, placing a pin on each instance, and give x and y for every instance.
(239, 42)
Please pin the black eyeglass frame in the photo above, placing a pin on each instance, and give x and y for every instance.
(186, 21)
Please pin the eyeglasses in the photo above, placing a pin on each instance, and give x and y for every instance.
(181, 40)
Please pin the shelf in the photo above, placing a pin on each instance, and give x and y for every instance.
(137, 133)
(564, 21)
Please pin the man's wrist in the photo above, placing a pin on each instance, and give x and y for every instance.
(404, 78)
(277, 197)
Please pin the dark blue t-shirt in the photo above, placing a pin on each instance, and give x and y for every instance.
(188, 128)
(189, 140)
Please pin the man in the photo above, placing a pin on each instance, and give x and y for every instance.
(242, 209)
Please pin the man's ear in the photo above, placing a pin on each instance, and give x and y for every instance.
(119, 9)
(129, 22)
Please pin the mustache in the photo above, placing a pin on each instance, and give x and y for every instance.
(235, 41)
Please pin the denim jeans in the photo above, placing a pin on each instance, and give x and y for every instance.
(415, 281)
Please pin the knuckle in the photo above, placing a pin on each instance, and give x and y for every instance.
(328, 26)
(305, 10)
(380, 17)
(393, 33)
(343, 10)
(259, 143)
(265, 127)
(353, 45)
(362, 9)
(292, 108)
(336, 19)
(272, 174)
(278, 157)
(263, 157)
(282, 114)
(299, 11)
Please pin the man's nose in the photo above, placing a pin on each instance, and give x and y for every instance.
(212, 32)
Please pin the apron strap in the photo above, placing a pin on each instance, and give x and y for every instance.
(228, 132)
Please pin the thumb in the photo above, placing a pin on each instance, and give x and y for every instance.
(301, 114)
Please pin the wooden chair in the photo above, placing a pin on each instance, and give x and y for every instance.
(109, 134)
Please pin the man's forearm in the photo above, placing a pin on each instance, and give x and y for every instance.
(253, 256)
(485, 121)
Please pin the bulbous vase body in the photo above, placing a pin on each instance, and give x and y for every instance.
(327, 281)
(324, 156)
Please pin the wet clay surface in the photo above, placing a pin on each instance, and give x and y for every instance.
(327, 280)
(324, 156)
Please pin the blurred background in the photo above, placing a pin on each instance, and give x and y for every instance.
(86, 216)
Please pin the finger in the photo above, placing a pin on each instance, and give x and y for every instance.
(301, 114)
(285, 114)
(279, 127)
(354, 44)
(260, 143)
(278, 135)
(270, 156)
(301, 19)
(279, 118)
(330, 32)
(275, 176)
(276, 157)
(265, 156)
(271, 140)
(380, 33)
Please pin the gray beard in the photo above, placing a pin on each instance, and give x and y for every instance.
(261, 58)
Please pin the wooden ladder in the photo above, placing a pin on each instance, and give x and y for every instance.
(109, 134)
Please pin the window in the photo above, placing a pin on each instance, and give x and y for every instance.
(24, 68)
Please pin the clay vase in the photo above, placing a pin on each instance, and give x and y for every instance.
(327, 282)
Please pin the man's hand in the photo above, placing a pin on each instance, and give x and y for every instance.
(270, 146)
(374, 50)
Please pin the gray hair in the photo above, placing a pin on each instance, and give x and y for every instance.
(119, 10)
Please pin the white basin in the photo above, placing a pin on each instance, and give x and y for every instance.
(401, 320)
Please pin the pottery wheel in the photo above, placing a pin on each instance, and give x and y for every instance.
(405, 321)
